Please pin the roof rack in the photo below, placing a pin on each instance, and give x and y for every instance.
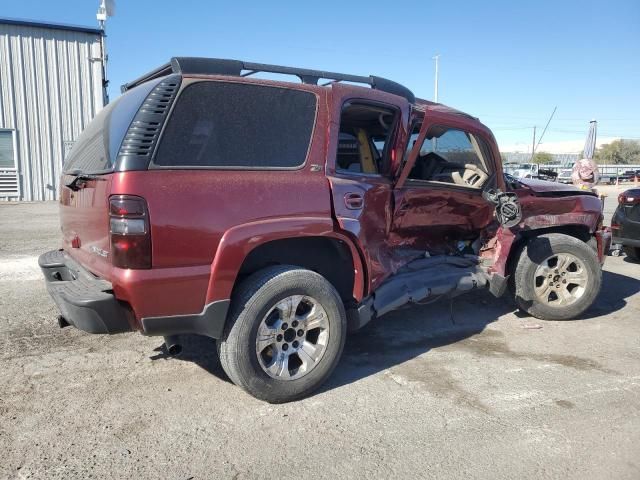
(218, 66)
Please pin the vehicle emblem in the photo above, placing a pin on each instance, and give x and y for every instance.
(99, 251)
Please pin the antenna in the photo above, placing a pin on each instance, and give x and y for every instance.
(106, 9)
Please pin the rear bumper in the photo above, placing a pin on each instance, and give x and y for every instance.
(88, 303)
(627, 242)
(626, 230)
(85, 301)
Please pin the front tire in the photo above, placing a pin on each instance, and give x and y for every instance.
(557, 277)
(285, 334)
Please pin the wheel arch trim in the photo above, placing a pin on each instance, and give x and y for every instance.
(239, 241)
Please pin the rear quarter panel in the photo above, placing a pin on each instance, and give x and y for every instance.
(190, 210)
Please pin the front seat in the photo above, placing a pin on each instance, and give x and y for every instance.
(473, 176)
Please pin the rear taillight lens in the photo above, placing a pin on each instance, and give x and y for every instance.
(628, 198)
(130, 232)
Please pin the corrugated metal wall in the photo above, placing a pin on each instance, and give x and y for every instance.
(50, 88)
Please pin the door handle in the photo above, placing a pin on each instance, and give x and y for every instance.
(353, 201)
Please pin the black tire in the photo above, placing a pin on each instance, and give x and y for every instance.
(252, 301)
(534, 253)
(632, 253)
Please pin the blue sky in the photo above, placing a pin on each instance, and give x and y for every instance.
(508, 62)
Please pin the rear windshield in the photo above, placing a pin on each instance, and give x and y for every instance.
(96, 149)
(235, 125)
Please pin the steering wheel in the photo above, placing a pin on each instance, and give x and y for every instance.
(473, 176)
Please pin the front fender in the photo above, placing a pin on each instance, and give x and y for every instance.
(239, 241)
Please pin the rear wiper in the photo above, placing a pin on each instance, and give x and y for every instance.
(80, 179)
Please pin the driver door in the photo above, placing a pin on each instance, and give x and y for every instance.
(438, 199)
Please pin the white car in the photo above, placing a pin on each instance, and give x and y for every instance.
(522, 170)
(564, 174)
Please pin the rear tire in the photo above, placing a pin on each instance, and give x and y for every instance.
(285, 333)
(557, 277)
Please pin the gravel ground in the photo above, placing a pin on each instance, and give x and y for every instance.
(489, 393)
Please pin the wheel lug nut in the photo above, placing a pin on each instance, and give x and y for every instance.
(294, 324)
(285, 326)
(285, 347)
(564, 281)
(300, 332)
(295, 344)
(279, 338)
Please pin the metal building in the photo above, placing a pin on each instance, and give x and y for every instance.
(51, 86)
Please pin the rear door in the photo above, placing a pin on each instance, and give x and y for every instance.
(86, 182)
(438, 201)
(367, 134)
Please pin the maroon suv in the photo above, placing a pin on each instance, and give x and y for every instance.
(276, 216)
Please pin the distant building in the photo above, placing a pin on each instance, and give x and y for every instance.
(558, 158)
(563, 153)
(51, 86)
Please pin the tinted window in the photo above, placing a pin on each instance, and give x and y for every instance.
(218, 124)
(96, 148)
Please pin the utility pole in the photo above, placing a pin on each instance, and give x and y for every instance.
(435, 93)
(533, 145)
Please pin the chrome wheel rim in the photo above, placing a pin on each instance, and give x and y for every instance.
(560, 280)
(292, 337)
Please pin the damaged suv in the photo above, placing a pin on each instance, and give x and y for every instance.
(277, 216)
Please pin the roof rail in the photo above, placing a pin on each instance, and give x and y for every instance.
(218, 66)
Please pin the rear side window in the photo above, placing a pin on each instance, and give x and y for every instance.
(96, 149)
(235, 125)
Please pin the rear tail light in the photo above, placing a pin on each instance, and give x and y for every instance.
(628, 197)
(130, 232)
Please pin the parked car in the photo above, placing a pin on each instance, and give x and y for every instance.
(530, 170)
(276, 216)
(620, 176)
(522, 170)
(625, 224)
(564, 174)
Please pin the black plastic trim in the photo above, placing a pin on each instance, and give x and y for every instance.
(209, 323)
(219, 66)
(85, 301)
(140, 141)
(629, 242)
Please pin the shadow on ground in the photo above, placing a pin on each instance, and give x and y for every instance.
(413, 331)
(613, 296)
